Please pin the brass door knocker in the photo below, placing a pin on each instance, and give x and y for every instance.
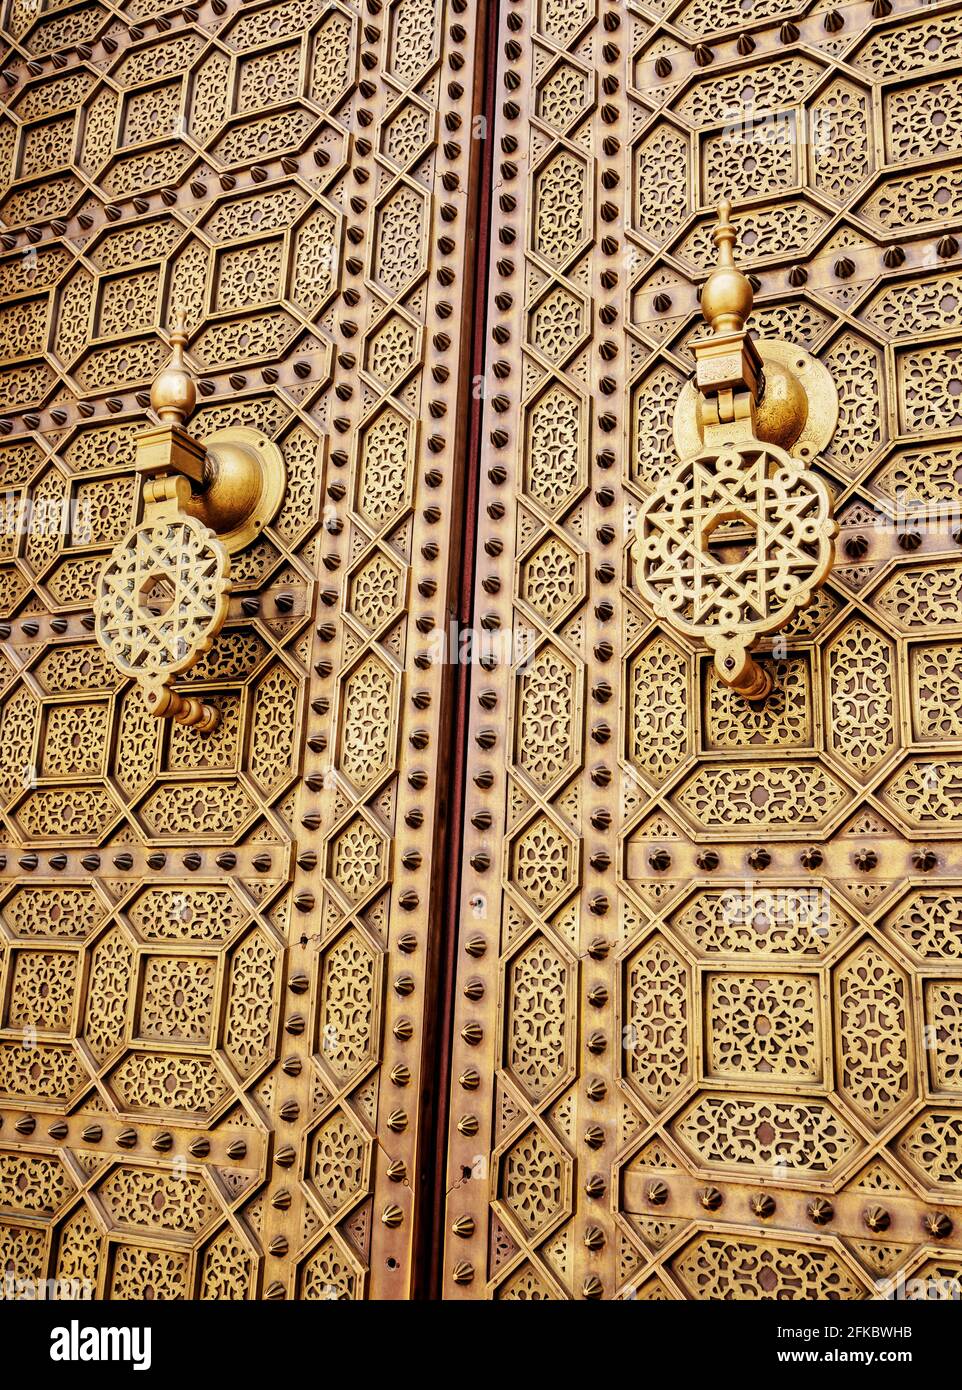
(163, 593)
(746, 429)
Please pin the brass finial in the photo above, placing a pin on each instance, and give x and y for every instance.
(726, 300)
(173, 393)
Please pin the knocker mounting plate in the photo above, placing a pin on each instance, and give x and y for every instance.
(796, 388)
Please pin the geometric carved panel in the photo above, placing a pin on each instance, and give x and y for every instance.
(196, 931)
(762, 895)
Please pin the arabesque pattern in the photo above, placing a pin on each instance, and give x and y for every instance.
(756, 904)
(214, 966)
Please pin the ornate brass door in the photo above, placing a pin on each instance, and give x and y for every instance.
(706, 972)
(707, 1022)
(217, 948)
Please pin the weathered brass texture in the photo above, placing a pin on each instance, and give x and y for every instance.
(226, 944)
(739, 536)
(683, 907)
(243, 485)
(162, 595)
(704, 945)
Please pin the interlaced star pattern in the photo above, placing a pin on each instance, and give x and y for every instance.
(786, 508)
(162, 598)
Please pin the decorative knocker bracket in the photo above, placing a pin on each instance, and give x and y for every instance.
(740, 534)
(164, 590)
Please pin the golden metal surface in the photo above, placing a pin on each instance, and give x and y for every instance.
(707, 945)
(244, 484)
(788, 370)
(708, 958)
(217, 952)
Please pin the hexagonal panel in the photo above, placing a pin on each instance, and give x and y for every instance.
(661, 197)
(250, 140)
(657, 1032)
(147, 1199)
(70, 911)
(740, 798)
(932, 1147)
(71, 670)
(169, 1083)
(385, 458)
(860, 693)
(330, 1273)
(274, 717)
(332, 57)
(841, 139)
(314, 258)
(561, 221)
(197, 810)
(927, 924)
(547, 736)
(859, 375)
(338, 1161)
(656, 720)
(782, 230)
(391, 349)
(926, 794)
(36, 1184)
(873, 1035)
(551, 578)
(399, 239)
(347, 1016)
(562, 95)
(537, 1032)
(186, 912)
(746, 1133)
(251, 1002)
(19, 718)
(721, 1266)
(227, 1267)
(561, 23)
(375, 590)
(357, 860)
(542, 863)
(413, 40)
(366, 742)
(558, 323)
(754, 921)
(406, 132)
(534, 1181)
(67, 813)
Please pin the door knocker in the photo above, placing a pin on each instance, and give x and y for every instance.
(740, 535)
(163, 593)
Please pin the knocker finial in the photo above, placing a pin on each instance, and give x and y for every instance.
(727, 298)
(174, 392)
